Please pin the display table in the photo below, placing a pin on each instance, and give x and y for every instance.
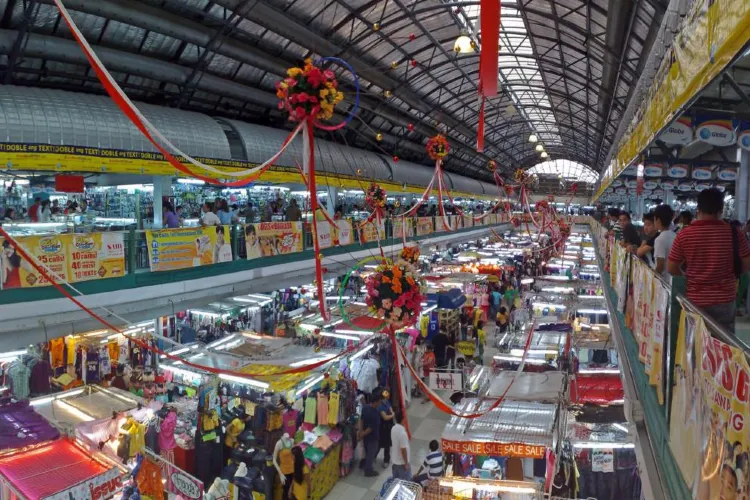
(322, 477)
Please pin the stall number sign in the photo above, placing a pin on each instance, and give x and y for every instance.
(494, 449)
(445, 380)
(186, 486)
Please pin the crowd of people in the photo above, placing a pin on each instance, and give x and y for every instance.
(712, 253)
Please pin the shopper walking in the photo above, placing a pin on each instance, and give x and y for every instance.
(386, 424)
(370, 434)
(45, 212)
(614, 223)
(715, 255)
(663, 244)
(402, 454)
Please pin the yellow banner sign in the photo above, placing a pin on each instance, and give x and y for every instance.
(272, 238)
(182, 248)
(70, 257)
(710, 419)
(367, 232)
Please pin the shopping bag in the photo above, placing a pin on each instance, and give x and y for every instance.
(359, 451)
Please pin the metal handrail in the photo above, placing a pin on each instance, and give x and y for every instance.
(719, 331)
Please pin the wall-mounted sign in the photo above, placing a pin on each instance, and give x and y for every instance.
(631, 183)
(677, 171)
(743, 135)
(631, 170)
(702, 186)
(718, 132)
(653, 170)
(659, 192)
(678, 132)
(701, 173)
(648, 185)
(617, 183)
(728, 174)
(621, 190)
(685, 186)
(668, 185)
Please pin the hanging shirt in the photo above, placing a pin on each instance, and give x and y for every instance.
(286, 458)
(234, 429)
(114, 352)
(333, 408)
(365, 373)
(310, 409)
(57, 352)
(322, 409)
(71, 343)
(104, 361)
(92, 367)
(289, 420)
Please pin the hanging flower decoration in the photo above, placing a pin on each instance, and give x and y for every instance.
(521, 176)
(492, 165)
(542, 205)
(551, 198)
(375, 197)
(438, 147)
(394, 295)
(309, 91)
(410, 254)
(509, 190)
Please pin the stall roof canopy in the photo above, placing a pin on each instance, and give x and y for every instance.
(567, 67)
(50, 469)
(511, 422)
(525, 386)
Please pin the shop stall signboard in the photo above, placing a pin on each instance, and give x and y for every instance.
(71, 257)
(343, 234)
(603, 460)
(403, 225)
(181, 483)
(493, 449)
(368, 234)
(183, 248)
(99, 487)
(446, 380)
(424, 226)
(267, 239)
(710, 418)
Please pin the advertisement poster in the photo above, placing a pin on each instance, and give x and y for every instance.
(344, 233)
(493, 448)
(661, 313)
(51, 251)
(710, 414)
(424, 225)
(188, 247)
(467, 220)
(95, 256)
(444, 224)
(603, 460)
(399, 225)
(266, 239)
(325, 238)
(367, 232)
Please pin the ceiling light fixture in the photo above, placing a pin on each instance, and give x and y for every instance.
(544, 154)
(463, 44)
(533, 138)
(539, 148)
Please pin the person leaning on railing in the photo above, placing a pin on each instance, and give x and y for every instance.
(715, 255)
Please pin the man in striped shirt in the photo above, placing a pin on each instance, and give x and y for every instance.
(433, 464)
(714, 258)
(614, 223)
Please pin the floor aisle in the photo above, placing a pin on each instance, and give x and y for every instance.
(426, 423)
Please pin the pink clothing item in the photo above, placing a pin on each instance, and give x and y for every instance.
(289, 422)
(322, 408)
(307, 427)
(166, 432)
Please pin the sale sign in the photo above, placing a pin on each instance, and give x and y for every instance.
(494, 449)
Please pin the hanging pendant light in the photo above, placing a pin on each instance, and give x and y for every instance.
(463, 44)
(539, 148)
(544, 154)
(533, 138)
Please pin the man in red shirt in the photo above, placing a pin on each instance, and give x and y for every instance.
(34, 210)
(714, 258)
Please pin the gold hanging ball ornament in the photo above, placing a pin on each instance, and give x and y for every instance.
(320, 256)
(375, 26)
(388, 93)
(317, 348)
(378, 137)
(394, 64)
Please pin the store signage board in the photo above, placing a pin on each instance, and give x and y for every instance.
(743, 138)
(617, 183)
(96, 488)
(668, 185)
(494, 449)
(631, 184)
(466, 347)
(678, 132)
(685, 186)
(650, 185)
(677, 171)
(181, 483)
(446, 380)
(653, 171)
(717, 132)
(702, 186)
(701, 173)
(728, 174)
